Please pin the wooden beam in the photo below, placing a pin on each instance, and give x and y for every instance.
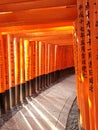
(39, 16)
(60, 36)
(35, 4)
(55, 40)
(59, 39)
(67, 2)
(33, 28)
(14, 1)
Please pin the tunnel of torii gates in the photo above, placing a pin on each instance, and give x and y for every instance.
(32, 57)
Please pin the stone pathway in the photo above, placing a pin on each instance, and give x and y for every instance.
(48, 111)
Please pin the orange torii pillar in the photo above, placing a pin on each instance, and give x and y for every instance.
(46, 64)
(43, 83)
(88, 15)
(6, 71)
(10, 38)
(51, 63)
(82, 75)
(55, 61)
(32, 68)
(16, 43)
(2, 79)
(22, 71)
(48, 69)
(86, 12)
(93, 8)
(26, 59)
(37, 67)
(76, 62)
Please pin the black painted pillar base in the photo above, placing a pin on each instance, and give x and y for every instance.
(45, 76)
(64, 72)
(7, 100)
(37, 84)
(52, 77)
(48, 79)
(33, 88)
(58, 74)
(30, 88)
(61, 74)
(2, 103)
(17, 93)
(69, 71)
(55, 76)
(27, 88)
(23, 93)
(43, 82)
(12, 97)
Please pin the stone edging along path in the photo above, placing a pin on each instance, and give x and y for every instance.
(72, 121)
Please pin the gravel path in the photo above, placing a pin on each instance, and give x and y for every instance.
(72, 121)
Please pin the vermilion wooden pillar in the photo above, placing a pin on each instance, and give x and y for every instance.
(2, 79)
(10, 41)
(94, 29)
(88, 16)
(82, 70)
(46, 64)
(42, 65)
(87, 36)
(6, 67)
(76, 55)
(32, 90)
(26, 59)
(16, 43)
(37, 67)
(22, 71)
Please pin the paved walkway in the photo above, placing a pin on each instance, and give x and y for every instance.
(48, 111)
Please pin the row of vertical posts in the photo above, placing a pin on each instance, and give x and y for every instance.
(86, 62)
(28, 67)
